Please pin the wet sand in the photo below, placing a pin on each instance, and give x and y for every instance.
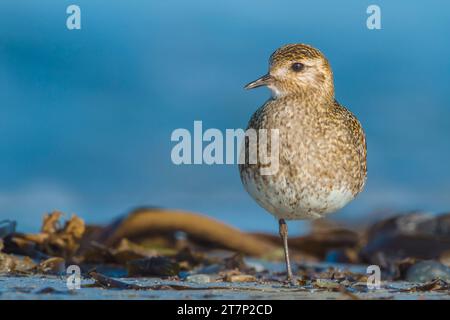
(54, 287)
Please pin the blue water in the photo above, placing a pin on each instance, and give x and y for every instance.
(86, 116)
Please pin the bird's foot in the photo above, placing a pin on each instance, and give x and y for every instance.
(290, 281)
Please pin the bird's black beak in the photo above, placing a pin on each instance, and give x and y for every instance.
(263, 81)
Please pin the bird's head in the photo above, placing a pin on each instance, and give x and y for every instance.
(297, 69)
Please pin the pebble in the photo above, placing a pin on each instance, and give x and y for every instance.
(426, 271)
(183, 275)
(240, 278)
(326, 284)
(255, 265)
(153, 266)
(213, 268)
(54, 265)
(199, 278)
(445, 258)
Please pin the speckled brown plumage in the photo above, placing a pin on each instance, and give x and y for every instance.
(322, 155)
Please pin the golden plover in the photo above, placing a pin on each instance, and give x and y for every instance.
(322, 147)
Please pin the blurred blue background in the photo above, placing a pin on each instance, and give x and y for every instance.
(86, 115)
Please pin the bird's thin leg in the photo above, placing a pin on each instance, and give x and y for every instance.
(284, 237)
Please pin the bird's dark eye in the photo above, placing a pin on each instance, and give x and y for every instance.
(297, 66)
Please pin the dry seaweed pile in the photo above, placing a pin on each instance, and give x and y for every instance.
(193, 248)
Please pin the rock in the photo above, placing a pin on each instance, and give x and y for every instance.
(240, 278)
(55, 265)
(258, 267)
(414, 235)
(445, 258)
(236, 261)
(303, 282)
(199, 278)
(183, 275)
(326, 284)
(426, 271)
(211, 269)
(187, 255)
(154, 266)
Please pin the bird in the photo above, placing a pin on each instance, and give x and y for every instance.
(322, 145)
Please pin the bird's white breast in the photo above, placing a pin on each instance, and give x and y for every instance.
(283, 200)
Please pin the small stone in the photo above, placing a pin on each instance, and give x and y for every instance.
(326, 284)
(240, 278)
(342, 256)
(255, 265)
(54, 265)
(154, 266)
(345, 283)
(199, 278)
(211, 269)
(183, 275)
(445, 258)
(236, 261)
(426, 271)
